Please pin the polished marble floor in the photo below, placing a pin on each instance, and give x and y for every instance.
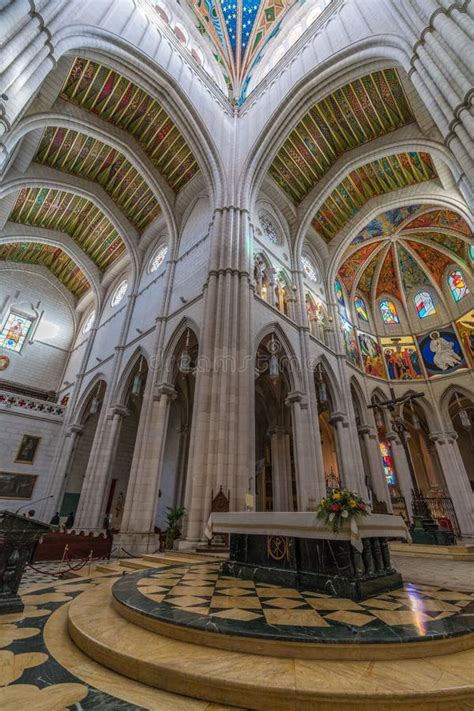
(200, 597)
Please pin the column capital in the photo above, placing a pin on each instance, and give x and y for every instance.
(336, 417)
(165, 389)
(74, 429)
(119, 410)
(279, 430)
(294, 397)
(365, 430)
(437, 437)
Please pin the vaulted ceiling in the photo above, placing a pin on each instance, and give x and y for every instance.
(101, 91)
(351, 116)
(408, 247)
(238, 31)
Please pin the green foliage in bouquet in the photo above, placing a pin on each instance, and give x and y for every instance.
(341, 505)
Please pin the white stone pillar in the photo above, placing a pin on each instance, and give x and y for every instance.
(91, 509)
(281, 469)
(144, 483)
(376, 474)
(402, 471)
(456, 479)
(67, 450)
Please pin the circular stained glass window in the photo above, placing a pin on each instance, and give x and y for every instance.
(158, 258)
(269, 228)
(88, 323)
(309, 268)
(119, 293)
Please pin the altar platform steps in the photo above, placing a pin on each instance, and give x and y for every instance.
(417, 550)
(443, 682)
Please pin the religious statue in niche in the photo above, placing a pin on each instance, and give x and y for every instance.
(262, 277)
(441, 352)
(27, 449)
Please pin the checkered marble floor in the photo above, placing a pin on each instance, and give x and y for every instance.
(42, 572)
(199, 594)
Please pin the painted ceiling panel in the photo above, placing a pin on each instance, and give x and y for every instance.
(388, 282)
(386, 223)
(89, 158)
(434, 261)
(420, 261)
(77, 216)
(118, 100)
(349, 117)
(351, 266)
(441, 218)
(238, 31)
(57, 261)
(375, 178)
(412, 274)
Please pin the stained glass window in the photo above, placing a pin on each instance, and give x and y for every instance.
(387, 461)
(458, 285)
(14, 332)
(268, 227)
(471, 251)
(88, 322)
(389, 312)
(424, 304)
(361, 309)
(309, 268)
(158, 258)
(119, 293)
(340, 298)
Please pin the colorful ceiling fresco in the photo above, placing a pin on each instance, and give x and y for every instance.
(66, 212)
(114, 98)
(441, 218)
(349, 117)
(401, 257)
(376, 178)
(89, 158)
(387, 282)
(239, 31)
(57, 261)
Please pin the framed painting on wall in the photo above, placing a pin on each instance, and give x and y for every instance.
(465, 326)
(16, 486)
(27, 449)
(401, 358)
(441, 352)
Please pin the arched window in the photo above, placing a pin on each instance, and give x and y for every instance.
(158, 258)
(389, 312)
(340, 298)
(119, 293)
(361, 309)
(88, 322)
(14, 332)
(458, 285)
(424, 304)
(309, 267)
(471, 252)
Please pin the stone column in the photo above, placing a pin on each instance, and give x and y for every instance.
(402, 471)
(94, 492)
(376, 474)
(68, 446)
(222, 445)
(350, 464)
(281, 469)
(144, 483)
(309, 483)
(457, 481)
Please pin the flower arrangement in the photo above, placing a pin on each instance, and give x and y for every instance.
(341, 504)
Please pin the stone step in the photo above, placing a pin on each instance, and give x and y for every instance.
(267, 683)
(140, 564)
(108, 568)
(172, 558)
(465, 553)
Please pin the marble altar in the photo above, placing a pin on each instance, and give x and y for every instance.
(297, 549)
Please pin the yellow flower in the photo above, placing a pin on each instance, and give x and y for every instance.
(352, 503)
(336, 496)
